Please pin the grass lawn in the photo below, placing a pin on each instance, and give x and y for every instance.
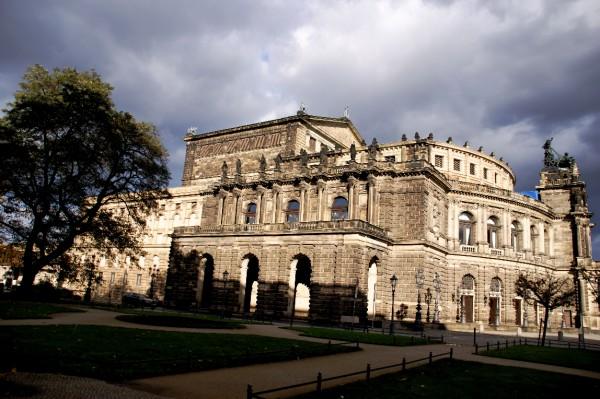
(174, 320)
(126, 353)
(30, 310)
(457, 379)
(574, 358)
(353, 336)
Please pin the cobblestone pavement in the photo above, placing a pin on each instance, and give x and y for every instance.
(54, 386)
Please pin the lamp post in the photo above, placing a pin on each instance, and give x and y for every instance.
(427, 301)
(393, 282)
(437, 286)
(525, 315)
(226, 301)
(420, 280)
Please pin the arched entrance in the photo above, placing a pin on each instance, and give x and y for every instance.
(299, 286)
(372, 288)
(248, 284)
(495, 301)
(205, 281)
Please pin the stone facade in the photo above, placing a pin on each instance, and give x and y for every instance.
(300, 216)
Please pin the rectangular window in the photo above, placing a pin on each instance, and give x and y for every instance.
(485, 173)
(112, 278)
(472, 169)
(138, 280)
(495, 177)
(439, 161)
(457, 165)
(312, 144)
(390, 158)
(100, 275)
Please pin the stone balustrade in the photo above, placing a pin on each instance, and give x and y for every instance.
(357, 226)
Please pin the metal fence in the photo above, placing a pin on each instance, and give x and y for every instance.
(534, 342)
(318, 382)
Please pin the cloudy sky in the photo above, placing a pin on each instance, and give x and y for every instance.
(505, 75)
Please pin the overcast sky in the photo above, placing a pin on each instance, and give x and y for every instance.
(505, 75)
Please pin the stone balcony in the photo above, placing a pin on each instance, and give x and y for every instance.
(315, 227)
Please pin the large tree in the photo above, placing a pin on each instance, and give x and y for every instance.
(67, 154)
(548, 290)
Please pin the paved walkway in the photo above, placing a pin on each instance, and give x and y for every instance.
(232, 382)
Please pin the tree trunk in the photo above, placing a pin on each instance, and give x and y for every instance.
(25, 288)
(546, 315)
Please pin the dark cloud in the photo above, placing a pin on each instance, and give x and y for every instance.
(502, 75)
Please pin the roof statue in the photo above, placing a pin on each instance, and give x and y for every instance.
(278, 161)
(549, 160)
(353, 152)
(347, 112)
(263, 164)
(302, 109)
(224, 169)
(373, 148)
(238, 167)
(303, 157)
(323, 155)
(417, 136)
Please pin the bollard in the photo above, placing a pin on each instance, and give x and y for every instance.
(319, 381)
(368, 372)
(403, 363)
(249, 393)
(451, 353)
(430, 357)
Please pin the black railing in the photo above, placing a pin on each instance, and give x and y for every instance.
(318, 383)
(534, 342)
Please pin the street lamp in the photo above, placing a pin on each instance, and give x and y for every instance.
(393, 282)
(225, 281)
(525, 315)
(437, 286)
(420, 280)
(428, 301)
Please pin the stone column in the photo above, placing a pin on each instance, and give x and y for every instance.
(526, 223)
(371, 206)
(276, 203)
(481, 228)
(541, 239)
(351, 200)
(506, 222)
(237, 211)
(304, 203)
(551, 240)
(260, 204)
(221, 211)
(320, 193)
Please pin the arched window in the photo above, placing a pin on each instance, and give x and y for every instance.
(339, 209)
(250, 215)
(292, 212)
(465, 228)
(515, 236)
(468, 282)
(492, 232)
(496, 286)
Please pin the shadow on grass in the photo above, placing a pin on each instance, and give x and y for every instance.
(113, 353)
(17, 310)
